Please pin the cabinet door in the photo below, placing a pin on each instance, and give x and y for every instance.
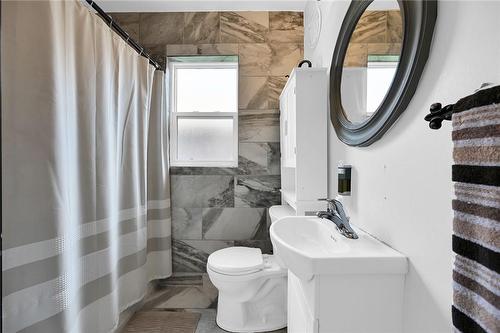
(291, 124)
(283, 127)
(287, 124)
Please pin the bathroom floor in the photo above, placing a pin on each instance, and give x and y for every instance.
(193, 293)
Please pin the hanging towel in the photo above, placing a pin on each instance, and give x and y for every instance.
(476, 223)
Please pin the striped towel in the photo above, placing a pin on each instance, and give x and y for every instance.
(476, 223)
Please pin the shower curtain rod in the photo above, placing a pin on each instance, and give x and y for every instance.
(123, 34)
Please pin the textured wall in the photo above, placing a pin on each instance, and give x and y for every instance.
(401, 185)
(213, 208)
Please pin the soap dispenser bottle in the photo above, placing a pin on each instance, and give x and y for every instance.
(344, 179)
(344, 183)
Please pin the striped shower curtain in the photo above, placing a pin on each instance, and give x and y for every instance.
(85, 201)
(476, 224)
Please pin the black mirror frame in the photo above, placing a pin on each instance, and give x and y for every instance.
(419, 18)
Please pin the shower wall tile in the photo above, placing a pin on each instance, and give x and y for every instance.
(259, 126)
(181, 49)
(285, 56)
(258, 158)
(201, 49)
(234, 223)
(218, 49)
(378, 33)
(161, 28)
(244, 27)
(202, 191)
(202, 171)
(253, 93)
(186, 223)
(356, 55)
(383, 48)
(264, 245)
(253, 158)
(129, 22)
(371, 28)
(214, 208)
(157, 52)
(191, 255)
(257, 191)
(289, 21)
(182, 280)
(255, 59)
(178, 292)
(201, 27)
(394, 26)
(274, 158)
(275, 85)
(286, 27)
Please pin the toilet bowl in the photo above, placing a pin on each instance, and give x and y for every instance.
(252, 286)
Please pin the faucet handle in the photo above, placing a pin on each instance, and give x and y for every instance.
(331, 203)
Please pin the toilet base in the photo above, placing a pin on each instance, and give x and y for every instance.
(251, 330)
(268, 313)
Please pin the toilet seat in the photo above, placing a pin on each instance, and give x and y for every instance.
(269, 268)
(236, 260)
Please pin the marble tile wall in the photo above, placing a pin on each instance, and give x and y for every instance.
(213, 208)
(377, 33)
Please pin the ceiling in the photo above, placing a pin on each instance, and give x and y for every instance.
(200, 5)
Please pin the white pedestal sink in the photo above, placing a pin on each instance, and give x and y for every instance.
(336, 284)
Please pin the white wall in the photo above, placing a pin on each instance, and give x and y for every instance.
(402, 185)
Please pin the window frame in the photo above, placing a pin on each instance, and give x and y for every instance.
(174, 115)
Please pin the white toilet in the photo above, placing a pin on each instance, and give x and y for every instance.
(252, 286)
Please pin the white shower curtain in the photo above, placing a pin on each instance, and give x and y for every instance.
(85, 200)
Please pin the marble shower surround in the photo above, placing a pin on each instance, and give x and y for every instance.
(377, 32)
(213, 208)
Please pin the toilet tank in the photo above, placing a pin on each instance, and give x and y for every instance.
(277, 212)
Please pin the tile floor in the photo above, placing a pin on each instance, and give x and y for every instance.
(207, 322)
(193, 293)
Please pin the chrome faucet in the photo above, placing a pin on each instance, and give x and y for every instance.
(335, 213)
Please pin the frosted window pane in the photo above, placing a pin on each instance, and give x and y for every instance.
(205, 139)
(379, 80)
(207, 89)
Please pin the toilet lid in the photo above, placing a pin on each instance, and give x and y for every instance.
(234, 260)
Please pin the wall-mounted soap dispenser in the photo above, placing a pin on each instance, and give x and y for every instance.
(344, 179)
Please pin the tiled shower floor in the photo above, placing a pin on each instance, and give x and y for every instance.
(189, 293)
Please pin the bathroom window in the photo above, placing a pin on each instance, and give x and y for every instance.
(379, 76)
(204, 111)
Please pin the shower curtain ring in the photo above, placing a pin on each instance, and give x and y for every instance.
(111, 22)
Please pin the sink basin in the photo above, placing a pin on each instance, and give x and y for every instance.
(310, 246)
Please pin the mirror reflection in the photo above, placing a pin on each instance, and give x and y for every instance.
(371, 60)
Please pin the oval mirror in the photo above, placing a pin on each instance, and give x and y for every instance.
(380, 54)
(371, 60)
